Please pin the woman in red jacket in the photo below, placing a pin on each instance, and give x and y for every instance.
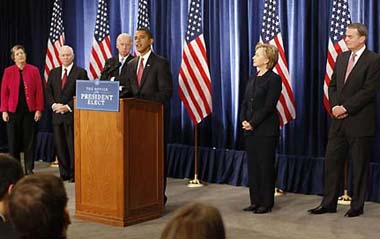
(21, 103)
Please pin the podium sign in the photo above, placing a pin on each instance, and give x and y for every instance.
(97, 95)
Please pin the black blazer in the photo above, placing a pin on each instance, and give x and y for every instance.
(357, 95)
(111, 68)
(156, 83)
(259, 104)
(7, 231)
(54, 93)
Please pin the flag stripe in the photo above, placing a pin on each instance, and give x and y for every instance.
(194, 85)
(56, 39)
(101, 46)
(340, 18)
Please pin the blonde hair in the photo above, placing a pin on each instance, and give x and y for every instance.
(270, 52)
(195, 221)
(14, 49)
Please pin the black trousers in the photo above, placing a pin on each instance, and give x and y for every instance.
(336, 153)
(261, 152)
(64, 145)
(21, 137)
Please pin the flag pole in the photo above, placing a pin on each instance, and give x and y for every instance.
(345, 199)
(195, 182)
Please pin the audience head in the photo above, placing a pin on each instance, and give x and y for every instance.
(356, 36)
(66, 55)
(143, 40)
(266, 56)
(10, 173)
(124, 44)
(195, 221)
(18, 54)
(37, 207)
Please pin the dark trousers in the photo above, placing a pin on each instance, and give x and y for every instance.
(64, 145)
(261, 152)
(21, 137)
(336, 153)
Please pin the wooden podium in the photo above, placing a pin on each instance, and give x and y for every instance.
(119, 163)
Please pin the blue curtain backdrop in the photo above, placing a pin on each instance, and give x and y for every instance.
(231, 29)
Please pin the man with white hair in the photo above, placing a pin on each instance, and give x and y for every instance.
(115, 67)
(59, 94)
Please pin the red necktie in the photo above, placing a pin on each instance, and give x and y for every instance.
(350, 65)
(64, 79)
(140, 71)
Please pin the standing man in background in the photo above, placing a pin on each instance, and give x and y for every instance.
(116, 66)
(59, 93)
(352, 96)
(149, 78)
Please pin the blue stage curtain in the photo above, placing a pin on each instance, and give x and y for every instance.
(231, 30)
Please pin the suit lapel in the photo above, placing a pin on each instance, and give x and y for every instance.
(133, 82)
(356, 66)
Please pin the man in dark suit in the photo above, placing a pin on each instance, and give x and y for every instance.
(10, 173)
(116, 67)
(149, 77)
(352, 95)
(59, 93)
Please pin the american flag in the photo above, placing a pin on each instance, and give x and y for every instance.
(143, 15)
(194, 75)
(101, 45)
(56, 39)
(340, 19)
(270, 33)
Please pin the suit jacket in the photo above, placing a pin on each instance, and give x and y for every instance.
(259, 104)
(156, 83)
(111, 68)
(32, 85)
(7, 231)
(357, 95)
(55, 94)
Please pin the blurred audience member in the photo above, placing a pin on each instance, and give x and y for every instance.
(195, 221)
(37, 207)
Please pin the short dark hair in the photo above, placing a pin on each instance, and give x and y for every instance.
(14, 49)
(10, 173)
(37, 207)
(147, 30)
(195, 221)
(360, 27)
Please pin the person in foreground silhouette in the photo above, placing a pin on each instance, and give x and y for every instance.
(195, 221)
(37, 207)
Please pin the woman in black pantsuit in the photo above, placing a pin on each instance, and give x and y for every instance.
(261, 128)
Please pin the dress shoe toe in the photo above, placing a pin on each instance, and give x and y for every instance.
(353, 213)
(250, 208)
(262, 210)
(322, 210)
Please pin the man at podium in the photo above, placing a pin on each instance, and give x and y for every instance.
(149, 77)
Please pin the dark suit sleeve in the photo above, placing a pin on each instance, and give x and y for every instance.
(243, 107)
(333, 98)
(50, 89)
(274, 91)
(165, 84)
(82, 75)
(367, 92)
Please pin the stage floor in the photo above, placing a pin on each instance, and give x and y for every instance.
(289, 217)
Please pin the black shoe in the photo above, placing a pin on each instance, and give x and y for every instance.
(353, 213)
(262, 210)
(250, 208)
(321, 210)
